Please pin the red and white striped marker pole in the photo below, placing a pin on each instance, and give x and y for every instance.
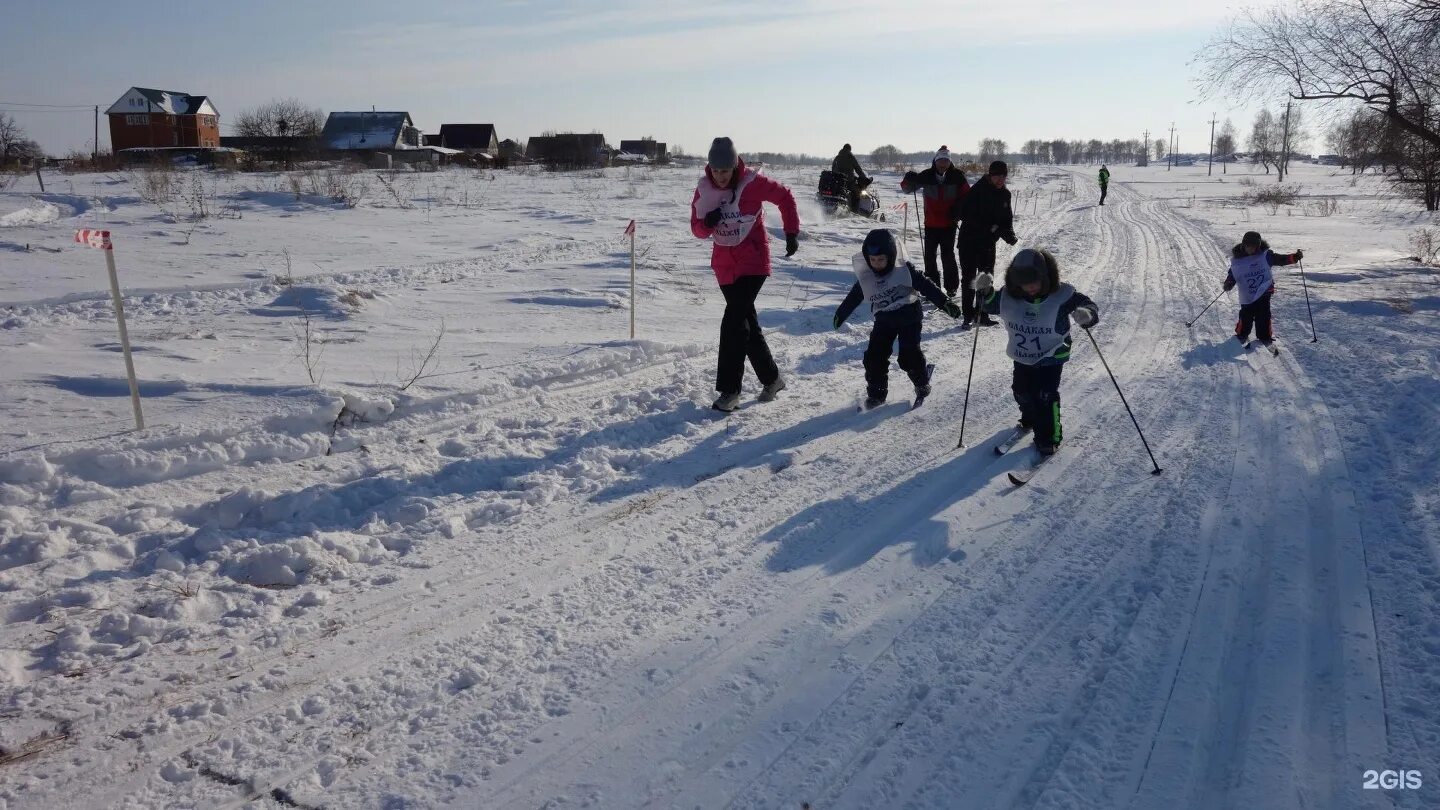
(100, 240)
(630, 232)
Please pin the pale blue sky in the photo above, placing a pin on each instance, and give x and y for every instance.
(793, 76)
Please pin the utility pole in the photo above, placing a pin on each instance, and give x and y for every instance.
(1284, 162)
(1211, 169)
(1145, 149)
(95, 156)
(1170, 161)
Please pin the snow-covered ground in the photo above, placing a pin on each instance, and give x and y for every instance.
(545, 574)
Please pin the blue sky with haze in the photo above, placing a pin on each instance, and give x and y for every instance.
(795, 76)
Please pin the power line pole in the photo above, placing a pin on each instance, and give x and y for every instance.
(1170, 161)
(95, 156)
(1211, 169)
(1284, 162)
(1145, 149)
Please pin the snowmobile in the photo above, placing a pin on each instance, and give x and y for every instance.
(840, 196)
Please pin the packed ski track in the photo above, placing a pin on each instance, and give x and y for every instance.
(556, 578)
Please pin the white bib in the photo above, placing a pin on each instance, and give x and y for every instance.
(1252, 276)
(893, 290)
(1033, 336)
(733, 226)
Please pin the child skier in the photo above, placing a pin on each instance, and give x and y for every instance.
(894, 296)
(1036, 310)
(1250, 265)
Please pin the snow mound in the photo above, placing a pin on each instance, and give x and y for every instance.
(39, 214)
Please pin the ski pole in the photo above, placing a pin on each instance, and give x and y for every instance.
(915, 195)
(975, 327)
(1192, 321)
(1314, 338)
(1155, 471)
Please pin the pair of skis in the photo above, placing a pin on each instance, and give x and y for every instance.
(1270, 347)
(1022, 476)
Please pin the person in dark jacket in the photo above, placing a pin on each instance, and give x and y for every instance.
(1037, 309)
(1250, 263)
(944, 187)
(1104, 182)
(845, 163)
(985, 216)
(894, 296)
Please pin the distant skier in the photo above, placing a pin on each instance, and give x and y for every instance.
(1250, 263)
(1037, 309)
(894, 295)
(1104, 182)
(726, 209)
(985, 217)
(943, 186)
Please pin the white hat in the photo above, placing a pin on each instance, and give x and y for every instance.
(943, 154)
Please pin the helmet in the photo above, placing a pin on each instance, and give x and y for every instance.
(880, 242)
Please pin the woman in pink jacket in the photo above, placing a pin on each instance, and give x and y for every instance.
(727, 211)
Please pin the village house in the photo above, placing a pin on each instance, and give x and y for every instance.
(569, 150)
(369, 132)
(648, 148)
(160, 119)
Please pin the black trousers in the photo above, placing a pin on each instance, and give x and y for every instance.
(740, 337)
(976, 256)
(1037, 392)
(905, 325)
(1257, 314)
(1104, 189)
(942, 240)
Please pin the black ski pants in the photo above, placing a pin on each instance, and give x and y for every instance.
(740, 337)
(1257, 314)
(905, 325)
(1037, 392)
(1104, 189)
(942, 240)
(977, 256)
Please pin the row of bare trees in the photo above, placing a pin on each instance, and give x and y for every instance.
(1382, 56)
(1091, 151)
(15, 144)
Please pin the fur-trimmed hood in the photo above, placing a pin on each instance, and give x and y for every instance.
(1239, 250)
(1032, 259)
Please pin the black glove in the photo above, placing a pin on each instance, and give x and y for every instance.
(1228, 285)
(1299, 254)
(909, 180)
(837, 320)
(952, 309)
(792, 244)
(1009, 237)
(712, 219)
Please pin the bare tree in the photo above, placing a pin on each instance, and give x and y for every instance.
(1383, 53)
(11, 136)
(1264, 139)
(885, 156)
(288, 121)
(1225, 144)
(1160, 147)
(1060, 150)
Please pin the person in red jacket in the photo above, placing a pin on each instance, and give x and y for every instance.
(943, 186)
(726, 209)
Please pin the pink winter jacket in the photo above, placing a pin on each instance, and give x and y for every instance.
(751, 257)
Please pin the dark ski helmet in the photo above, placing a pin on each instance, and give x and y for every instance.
(880, 242)
(1251, 238)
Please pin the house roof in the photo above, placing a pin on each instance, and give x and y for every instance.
(364, 130)
(467, 136)
(167, 101)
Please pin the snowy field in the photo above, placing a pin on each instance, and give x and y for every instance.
(532, 568)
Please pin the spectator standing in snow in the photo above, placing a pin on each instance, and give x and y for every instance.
(726, 210)
(894, 294)
(1250, 263)
(985, 217)
(1104, 182)
(943, 186)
